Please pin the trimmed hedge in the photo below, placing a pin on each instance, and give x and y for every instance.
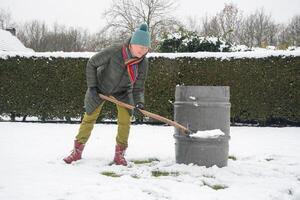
(263, 90)
(43, 87)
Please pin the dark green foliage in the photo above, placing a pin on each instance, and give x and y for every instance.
(158, 173)
(215, 186)
(186, 41)
(43, 87)
(264, 90)
(111, 174)
(232, 158)
(150, 160)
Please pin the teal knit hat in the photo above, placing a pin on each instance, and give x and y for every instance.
(141, 36)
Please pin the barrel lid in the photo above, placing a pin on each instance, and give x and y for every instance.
(202, 93)
(187, 138)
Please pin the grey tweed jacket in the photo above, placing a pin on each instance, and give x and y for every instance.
(107, 71)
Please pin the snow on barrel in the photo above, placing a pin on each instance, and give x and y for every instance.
(206, 110)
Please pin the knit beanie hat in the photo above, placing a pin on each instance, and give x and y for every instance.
(141, 36)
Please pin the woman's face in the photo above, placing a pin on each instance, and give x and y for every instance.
(138, 50)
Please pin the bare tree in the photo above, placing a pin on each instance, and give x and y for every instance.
(225, 24)
(294, 30)
(76, 39)
(98, 41)
(258, 29)
(32, 34)
(38, 36)
(192, 24)
(229, 20)
(62, 38)
(125, 15)
(271, 33)
(5, 19)
(283, 37)
(261, 25)
(247, 34)
(211, 27)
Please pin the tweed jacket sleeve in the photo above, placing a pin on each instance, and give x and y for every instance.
(139, 86)
(96, 64)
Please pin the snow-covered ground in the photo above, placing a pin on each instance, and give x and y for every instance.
(264, 165)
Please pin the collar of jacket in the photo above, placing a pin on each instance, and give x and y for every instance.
(126, 44)
(127, 56)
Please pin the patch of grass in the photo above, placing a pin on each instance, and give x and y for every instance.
(135, 176)
(174, 173)
(269, 159)
(290, 192)
(139, 162)
(232, 157)
(157, 173)
(111, 174)
(215, 186)
(208, 176)
(218, 187)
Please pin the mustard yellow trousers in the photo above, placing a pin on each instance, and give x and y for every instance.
(89, 120)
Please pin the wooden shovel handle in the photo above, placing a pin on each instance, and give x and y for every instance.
(146, 113)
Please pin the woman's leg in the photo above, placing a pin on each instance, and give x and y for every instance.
(87, 125)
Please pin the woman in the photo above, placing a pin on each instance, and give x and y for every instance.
(120, 71)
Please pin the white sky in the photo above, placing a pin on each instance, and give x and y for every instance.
(88, 13)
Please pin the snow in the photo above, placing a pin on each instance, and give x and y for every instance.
(9, 43)
(266, 165)
(256, 53)
(57, 54)
(192, 98)
(174, 36)
(208, 134)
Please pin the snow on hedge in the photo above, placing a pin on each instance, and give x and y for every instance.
(256, 53)
(58, 54)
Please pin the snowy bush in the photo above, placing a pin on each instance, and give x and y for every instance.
(185, 41)
(293, 48)
(240, 48)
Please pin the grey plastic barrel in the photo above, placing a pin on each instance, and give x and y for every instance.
(202, 108)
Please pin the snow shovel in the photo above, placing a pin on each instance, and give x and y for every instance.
(148, 114)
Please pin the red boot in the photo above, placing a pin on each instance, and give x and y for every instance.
(76, 153)
(119, 155)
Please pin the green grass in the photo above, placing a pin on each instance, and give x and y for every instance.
(157, 173)
(232, 157)
(218, 187)
(111, 174)
(135, 176)
(215, 186)
(139, 162)
(269, 159)
(208, 176)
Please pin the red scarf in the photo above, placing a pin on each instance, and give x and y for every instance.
(131, 64)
